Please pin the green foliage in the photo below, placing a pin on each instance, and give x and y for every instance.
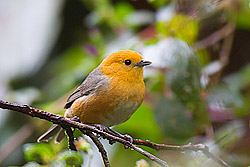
(69, 158)
(122, 9)
(38, 152)
(242, 18)
(203, 57)
(41, 153)
(157, 82)
(184, 74)
(180, 26)
(158, 3)
(110, 15)
(173, 120)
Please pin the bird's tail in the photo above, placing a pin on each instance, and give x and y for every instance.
(53, 130)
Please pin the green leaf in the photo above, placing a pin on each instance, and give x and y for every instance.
(156, 82)
(180, 26)
(173, 120)
(38, 152)
(122, 9)
(158, 3)
(203, 57)
(242, 18)
(245, 73)
(70, 158)
(244, 110)
(183, 75)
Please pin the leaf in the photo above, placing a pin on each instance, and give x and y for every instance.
(158, 3)
(70, 158)
(122, 9)
(183, 75)
(242, 17)
(156, 82)
(245, 73)
(180, 26)
(172, 118)
(203, 57)
(38, 152)
(244, 110)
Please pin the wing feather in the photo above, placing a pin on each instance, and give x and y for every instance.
(94, 80)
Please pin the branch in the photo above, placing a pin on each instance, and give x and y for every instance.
(66, 122)
(188, 147)
(71, 138)
(100, 147)
(214, 37)
(87, 129)
(15, 141)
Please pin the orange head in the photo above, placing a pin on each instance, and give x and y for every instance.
(125, 65)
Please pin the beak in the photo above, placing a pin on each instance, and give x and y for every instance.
(143, 63)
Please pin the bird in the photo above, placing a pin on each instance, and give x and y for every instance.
(109, 95)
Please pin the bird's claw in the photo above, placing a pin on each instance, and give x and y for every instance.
(115, 133)
(76, 118)
(128, 138)
(101, 127)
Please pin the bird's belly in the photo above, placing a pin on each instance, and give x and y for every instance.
(120, 114)
(107, 113)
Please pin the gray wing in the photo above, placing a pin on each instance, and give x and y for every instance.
(89, 85)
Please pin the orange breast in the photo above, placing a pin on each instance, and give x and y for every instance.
(111, 106)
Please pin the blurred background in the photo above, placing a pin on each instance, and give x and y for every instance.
(197, 89)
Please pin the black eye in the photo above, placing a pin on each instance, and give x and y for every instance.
(127, 62)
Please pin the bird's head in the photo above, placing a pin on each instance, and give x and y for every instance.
(124, 64)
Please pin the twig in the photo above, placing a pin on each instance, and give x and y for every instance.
(188, 147)
(214, 157)
(214, 37)
(196, 147)
(15, 141)
(136, 148)
(67, 124)
(71, 138)
(225, 50)
(100, 148)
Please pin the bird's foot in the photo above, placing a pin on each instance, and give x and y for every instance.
(101, 127)
(76, 119)
(114, 133)
(128, 138)
(125, 137)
